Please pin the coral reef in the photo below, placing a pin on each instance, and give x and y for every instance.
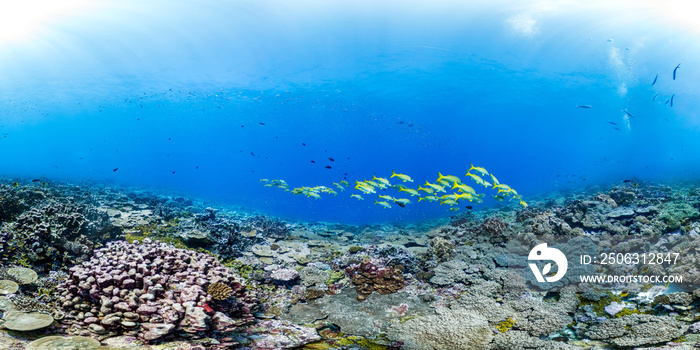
(58, 234)
(152, 290)
(369, 277)
(447, 329)
(637, 330)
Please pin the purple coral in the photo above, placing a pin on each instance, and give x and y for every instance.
(153, 290)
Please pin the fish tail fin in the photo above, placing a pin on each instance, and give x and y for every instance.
(393, 173)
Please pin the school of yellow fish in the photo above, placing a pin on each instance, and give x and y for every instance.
(430, 192)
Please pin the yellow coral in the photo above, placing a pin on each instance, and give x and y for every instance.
(219, 291)
(505, 325)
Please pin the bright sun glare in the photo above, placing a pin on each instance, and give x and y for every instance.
(21, 19)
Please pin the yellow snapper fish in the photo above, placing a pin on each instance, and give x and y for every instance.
(479, 170)
(410, 191)
(449, 202)
(364, 187)
(478, 180)
(330, 191)
(495, 180)
(502, 187)
(344, 183)
(464, 188)
(436, 187)
(403, 200)
(359, 198)
(523, 204)
(371, 183)
(499, 198)
(428, 190)
(450, 178)
(339, 186)
(381, 180)
(428, 198)
(264, 180)
(388, 198)
(453, 209)
(466, 195)
(443, 182)
(314, 195)
(383, 204)
(403, 177)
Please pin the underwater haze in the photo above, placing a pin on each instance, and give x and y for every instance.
(205, 98)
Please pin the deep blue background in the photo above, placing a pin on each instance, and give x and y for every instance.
(414, 86)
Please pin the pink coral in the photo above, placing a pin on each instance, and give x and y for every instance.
(155, 289)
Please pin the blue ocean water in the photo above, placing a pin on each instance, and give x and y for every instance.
(206, 98)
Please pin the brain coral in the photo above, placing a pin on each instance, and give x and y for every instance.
(152, 290)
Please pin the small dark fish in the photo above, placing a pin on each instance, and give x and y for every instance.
(628, 113)
(242, 126)
(469, 207)
(584, 106)
(399, 122)
(261, 123)
(618, 129)
(328, 167)
(401, 204)
(331, 159)
(169, 139)
(115, 169)
(674, 71)
(612, 123)
(654, 99)
(626, 181)
(674, 95)
(36, 180)
(656, 77)
(561, 339)
(313, 161)
(667, 101)
(252, 154)
(197, 167)
(303, 144)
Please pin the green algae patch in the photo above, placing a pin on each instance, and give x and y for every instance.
(335, 277)
(677, 214)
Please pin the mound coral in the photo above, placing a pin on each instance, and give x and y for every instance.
(152, 290)
(368, 277)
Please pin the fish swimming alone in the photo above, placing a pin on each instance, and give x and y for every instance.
(584, 106)
(656, 77)
(674, 71)
(674, 95)
(654, 99)
(628, 113)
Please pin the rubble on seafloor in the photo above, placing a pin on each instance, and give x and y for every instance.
(104, 267)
